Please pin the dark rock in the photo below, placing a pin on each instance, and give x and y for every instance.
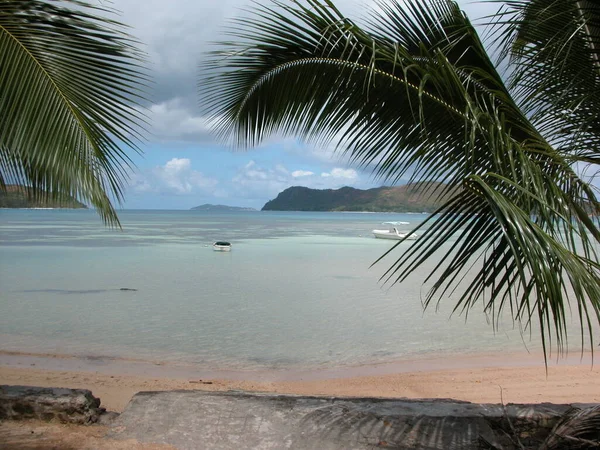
(65, 405)
(48, 417)
(128, 289)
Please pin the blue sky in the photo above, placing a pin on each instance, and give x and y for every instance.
(182, 164)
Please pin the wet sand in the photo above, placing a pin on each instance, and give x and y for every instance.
(516, 378)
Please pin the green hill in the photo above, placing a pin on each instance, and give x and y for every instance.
(22, 197)
(418, 197)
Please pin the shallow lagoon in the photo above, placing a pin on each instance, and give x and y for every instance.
(295, 292)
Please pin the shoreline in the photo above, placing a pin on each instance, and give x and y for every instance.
(507, 378)
(109, 364)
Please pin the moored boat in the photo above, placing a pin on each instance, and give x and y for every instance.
(222, 246)
(393, 232)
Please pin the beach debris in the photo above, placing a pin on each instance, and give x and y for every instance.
(128, 289)
(200, 382)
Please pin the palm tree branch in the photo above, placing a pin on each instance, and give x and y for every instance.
(418, 93)
(57, 88)
(339, 62)
(62, 124)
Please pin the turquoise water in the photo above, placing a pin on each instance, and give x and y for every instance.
(295, 291)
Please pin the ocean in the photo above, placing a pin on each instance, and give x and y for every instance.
(296, 291)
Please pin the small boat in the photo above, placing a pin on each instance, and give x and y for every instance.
(222, 246)
(393, 233)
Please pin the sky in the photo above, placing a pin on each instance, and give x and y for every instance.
(183, 164)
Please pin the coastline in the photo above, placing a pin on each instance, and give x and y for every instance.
(513, 378)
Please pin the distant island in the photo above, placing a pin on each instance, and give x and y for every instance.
(220, 208)
(417, 197)
(24, 197)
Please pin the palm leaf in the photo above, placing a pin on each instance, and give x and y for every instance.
(250, 97)
(578, 429)
(71, 82)
(415, 93)
(554, 51)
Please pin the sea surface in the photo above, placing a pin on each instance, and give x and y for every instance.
(296, 291)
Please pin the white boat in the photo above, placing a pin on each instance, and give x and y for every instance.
(393, 232)
(222, 246)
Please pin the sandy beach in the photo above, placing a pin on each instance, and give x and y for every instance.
(517, 378)
(483, 379)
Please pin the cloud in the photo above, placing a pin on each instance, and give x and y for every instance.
(302, 173)
(173, 120)
(256, 182)
(176, 177)
(339, 173)
(253, 181)
(178, 34)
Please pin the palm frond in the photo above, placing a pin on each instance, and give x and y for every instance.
(578, 429)
(415, 92)
(71, 86)
(342, 79)
(553, 48)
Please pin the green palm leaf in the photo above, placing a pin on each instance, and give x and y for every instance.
(71, 82)
(553, 47)
(415, 93)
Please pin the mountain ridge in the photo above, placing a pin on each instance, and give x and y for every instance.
(416, 197)
(16, 196)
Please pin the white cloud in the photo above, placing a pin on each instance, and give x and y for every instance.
(339, 173)
(172, 120)
(175, 177)
(302, 173)
(254, 181)
(177, 34)
(327, 153)
(178, 165)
